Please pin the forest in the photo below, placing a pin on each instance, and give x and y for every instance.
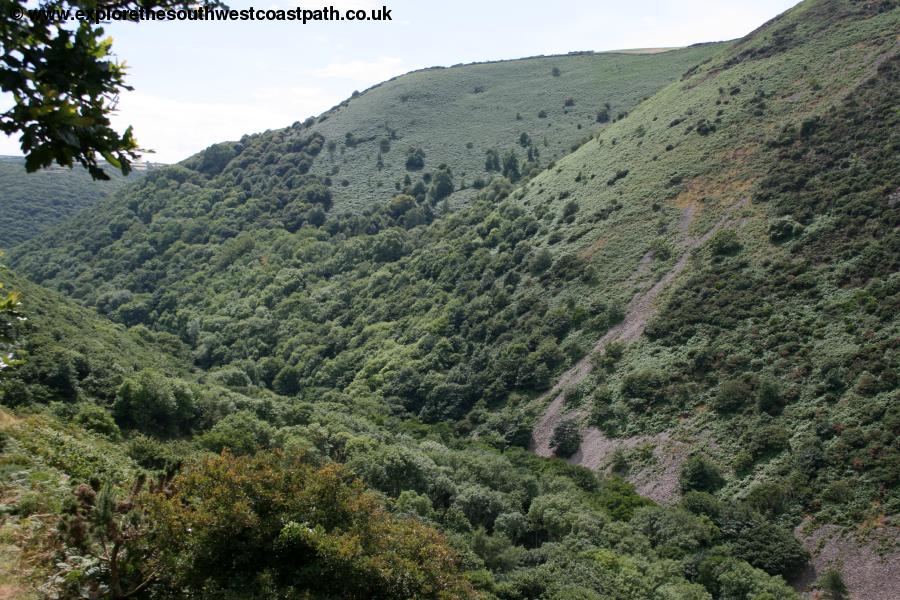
(643, 346)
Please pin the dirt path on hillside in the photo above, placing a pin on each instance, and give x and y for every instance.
(640, 309)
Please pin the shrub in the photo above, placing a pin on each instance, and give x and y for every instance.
(241, 433)
(540, 262)
(832, 583)
(769, 398)
(288, 530)
(154, 404)
(287, 381)
(566, 438)
(661, 249)
(415, 159)
(763, 544)
(96, 418)
(701, 503)
(620, 174)
(150, 453)
(619, 499)
(784, 229)
(647, 384)
(569, 209)
(733, 395)
(700, 474)
(725, 242)
(767, 440)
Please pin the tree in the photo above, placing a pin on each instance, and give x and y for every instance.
(288, 381)
(9, 314)
(698, 473)
(511, 166)
(492, 162)
(66, 82)
(285, 529)
(566, 438)
(733, 395)
(540, 262)
(154, 404)
(241, 433)
(415, 159)
(725, 242)
(441, 184)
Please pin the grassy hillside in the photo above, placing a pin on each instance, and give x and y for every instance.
(455, 115)
(32, 202)
(701, 299)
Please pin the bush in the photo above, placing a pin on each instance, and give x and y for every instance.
(733, 395)
(287, 530)
(287, 381)
(96, 418)
(700, 474)
(647, 384)
(150, 453)
(566, 438)
(767, 440)
(765, 545)
(154, 404)
(241, 433)
(619, 499)
(415, 159)
(769, 398)
(701, 503)
(620, 174)
(725, 242)
(833, 584)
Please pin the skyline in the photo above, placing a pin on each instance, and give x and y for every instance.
(267, 75)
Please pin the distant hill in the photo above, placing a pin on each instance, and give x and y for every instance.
(31, 202)
(456, 114)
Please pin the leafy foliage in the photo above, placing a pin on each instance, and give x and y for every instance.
(65, 84)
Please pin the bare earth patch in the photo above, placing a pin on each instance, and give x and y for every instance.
(640, 309)
(657, 481)
(869, 566)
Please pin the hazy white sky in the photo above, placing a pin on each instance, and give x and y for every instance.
(197, 83)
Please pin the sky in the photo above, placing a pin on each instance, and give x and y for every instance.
(198, 83)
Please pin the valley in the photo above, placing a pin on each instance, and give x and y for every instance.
(598, 325)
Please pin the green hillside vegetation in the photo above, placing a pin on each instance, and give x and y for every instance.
(538, 109)
(778, 338)
(32, 202)
(86, 470)
(279, 348)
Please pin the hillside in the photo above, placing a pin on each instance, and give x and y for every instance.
(557, 101)
(33, 202)
(700, 300)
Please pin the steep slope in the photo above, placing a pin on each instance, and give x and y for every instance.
(33, 202)
(767, 345)
(555, 100)
(735, 234)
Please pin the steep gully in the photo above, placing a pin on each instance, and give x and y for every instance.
(596, 447)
